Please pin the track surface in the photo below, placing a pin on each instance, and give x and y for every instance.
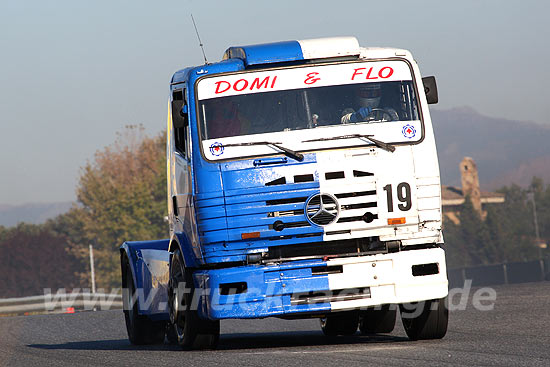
(516, 332)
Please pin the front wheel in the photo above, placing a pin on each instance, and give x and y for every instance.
(190, 331)
(374, 321)
(341, 323)
(425, 320)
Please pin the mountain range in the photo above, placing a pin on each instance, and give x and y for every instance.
(506, 152)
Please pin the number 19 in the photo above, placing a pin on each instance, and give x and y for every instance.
(403, 195)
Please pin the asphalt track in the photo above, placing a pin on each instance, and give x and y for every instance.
(516, 333)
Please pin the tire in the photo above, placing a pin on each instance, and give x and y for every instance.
(171, 336)
(373, 321)
(190, 331)
(425, 320)
(141, 330)
(341, 323)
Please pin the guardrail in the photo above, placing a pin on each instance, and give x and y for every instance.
(60, 302)
(506, 273)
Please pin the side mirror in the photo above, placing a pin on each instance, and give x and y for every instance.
(430, 88)
(179, 110)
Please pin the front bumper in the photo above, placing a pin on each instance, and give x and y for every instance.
(317, 287)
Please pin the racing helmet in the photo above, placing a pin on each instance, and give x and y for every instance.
(369, 95)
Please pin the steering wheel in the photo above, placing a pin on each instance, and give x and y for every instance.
(379, 114)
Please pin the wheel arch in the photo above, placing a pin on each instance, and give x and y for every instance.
(180, 241)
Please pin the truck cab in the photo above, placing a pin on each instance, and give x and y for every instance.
(303, 181)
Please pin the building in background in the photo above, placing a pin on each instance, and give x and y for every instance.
(453, 197)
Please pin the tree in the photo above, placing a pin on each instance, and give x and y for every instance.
(516, 214)
(506, 235)
(455, 246)
(121, 197)
(34, 257)
(475, 234)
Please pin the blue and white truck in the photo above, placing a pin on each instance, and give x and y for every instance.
(303, 181)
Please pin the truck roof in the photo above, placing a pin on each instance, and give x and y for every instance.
(242, 57)
(319, 48)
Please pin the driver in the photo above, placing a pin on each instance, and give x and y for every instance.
(368, 99)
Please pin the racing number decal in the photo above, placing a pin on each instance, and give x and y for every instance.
(403, 195)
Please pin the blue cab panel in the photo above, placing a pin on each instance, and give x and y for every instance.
(260, 291)
(231, 200)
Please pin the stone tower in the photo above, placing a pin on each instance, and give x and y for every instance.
(470, 182)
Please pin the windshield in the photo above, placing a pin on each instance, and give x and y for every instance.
(307, 108)
(306, 98)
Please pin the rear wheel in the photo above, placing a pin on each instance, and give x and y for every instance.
(190, 331)
(425, 320)
(341, 323)
(141, 330)
(374, 321)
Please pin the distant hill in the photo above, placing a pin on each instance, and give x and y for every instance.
(505, 151)
(11, 215)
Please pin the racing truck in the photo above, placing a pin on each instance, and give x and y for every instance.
(303, 182)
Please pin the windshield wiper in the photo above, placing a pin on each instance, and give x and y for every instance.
(288, 152)
(378, 143)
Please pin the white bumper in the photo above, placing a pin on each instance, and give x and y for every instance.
(390, 278)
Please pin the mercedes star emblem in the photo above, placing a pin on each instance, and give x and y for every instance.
(322, 209)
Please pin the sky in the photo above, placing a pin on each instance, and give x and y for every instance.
(73, 73)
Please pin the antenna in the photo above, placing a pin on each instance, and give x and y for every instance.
(199, 37)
